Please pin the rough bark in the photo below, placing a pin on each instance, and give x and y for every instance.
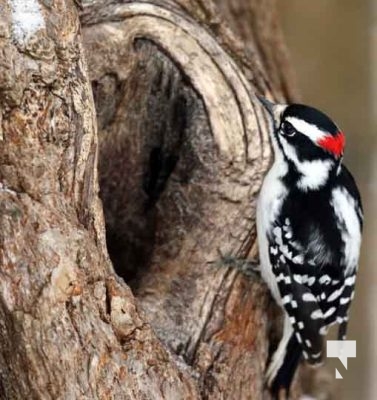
(69, 327)
(182, 150)
(257, 24)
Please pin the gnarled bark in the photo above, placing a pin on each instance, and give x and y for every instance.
(183, 147)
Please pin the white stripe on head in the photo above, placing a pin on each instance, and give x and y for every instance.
(310, 130)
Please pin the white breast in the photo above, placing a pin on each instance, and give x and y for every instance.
(270, 200)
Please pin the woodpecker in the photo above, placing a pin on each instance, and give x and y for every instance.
(309, 224)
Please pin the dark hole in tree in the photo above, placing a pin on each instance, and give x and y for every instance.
(143, 130)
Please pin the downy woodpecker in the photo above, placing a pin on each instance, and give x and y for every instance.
(309, 222)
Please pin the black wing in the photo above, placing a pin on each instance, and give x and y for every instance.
(295, 282)
(314, 296)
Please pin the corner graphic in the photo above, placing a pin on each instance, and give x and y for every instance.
(342, 349)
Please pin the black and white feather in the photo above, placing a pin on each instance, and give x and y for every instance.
(309, 223)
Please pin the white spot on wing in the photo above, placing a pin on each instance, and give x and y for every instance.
(273, 250)
(287, 299)
(299, 259)
(298, 278)
(350, 280)
(278, 235)
(308, 297)
(311, 281)
(308, 343)
(325, 279)
(330, 312)
(316, 314)
(335, 294)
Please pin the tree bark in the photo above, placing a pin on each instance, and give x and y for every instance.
(183, 147)
(69, 327)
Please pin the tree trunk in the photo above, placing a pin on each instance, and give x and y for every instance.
(183, 147)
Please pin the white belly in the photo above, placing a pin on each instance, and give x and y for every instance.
(270, 201)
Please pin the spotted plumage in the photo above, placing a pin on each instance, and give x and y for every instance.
(309, 223)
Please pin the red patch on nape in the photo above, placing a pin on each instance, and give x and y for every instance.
(333, 144)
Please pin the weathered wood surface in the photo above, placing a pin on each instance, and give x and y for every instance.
(183, 147)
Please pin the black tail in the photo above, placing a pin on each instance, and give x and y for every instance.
(283, 379)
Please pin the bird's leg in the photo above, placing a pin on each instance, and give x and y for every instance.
(249, 268)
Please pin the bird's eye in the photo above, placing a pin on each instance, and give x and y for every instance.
(288, 129)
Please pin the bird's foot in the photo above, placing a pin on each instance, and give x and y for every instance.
(249, 268)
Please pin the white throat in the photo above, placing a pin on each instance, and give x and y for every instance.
(314, 174)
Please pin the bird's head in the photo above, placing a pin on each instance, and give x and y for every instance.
(307, 140)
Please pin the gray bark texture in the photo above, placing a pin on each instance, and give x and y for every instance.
(161, 96)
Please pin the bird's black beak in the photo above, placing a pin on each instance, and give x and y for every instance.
(268, 105)
(275, 110)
